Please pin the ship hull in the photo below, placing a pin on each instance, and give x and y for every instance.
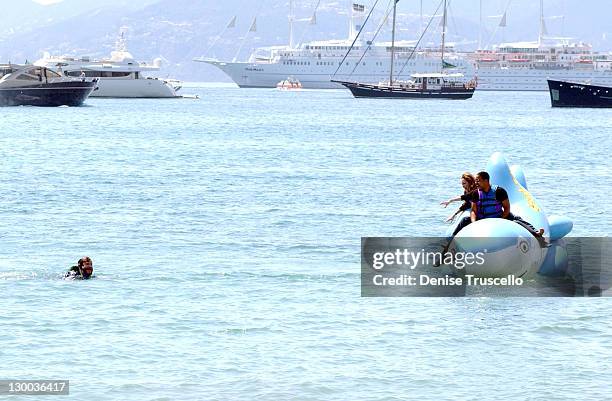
(569, 94)
(527, 79)
(376, 91)
(267, 75)
(134, 88)
(254, 75)
(47, 95)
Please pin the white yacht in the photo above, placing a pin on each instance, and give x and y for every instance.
(118, 76)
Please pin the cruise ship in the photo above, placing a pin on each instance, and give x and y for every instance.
(119, 76)
(526, 66)
(316, 63)
(522, 66)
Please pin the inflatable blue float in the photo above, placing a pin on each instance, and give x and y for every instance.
(509, 248)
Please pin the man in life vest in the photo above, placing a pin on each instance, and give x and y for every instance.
(487, 201)
(83, 270)
(492, 202)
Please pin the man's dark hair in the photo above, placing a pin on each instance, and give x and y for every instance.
(81, 261)
(484, 175)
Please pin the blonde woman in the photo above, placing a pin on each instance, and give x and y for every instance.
(468, 183)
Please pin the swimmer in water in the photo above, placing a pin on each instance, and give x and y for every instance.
(83, 270)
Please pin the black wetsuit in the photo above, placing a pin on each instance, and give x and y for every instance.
(74, 272)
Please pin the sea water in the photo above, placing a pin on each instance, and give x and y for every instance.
(225, 234)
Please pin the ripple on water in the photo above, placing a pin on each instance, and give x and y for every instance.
(226, 247)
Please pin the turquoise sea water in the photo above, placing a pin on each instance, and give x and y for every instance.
(225, 235)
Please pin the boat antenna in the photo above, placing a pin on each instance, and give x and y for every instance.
(419, 41)
(121, 44)
(356, 37)
(393, 43)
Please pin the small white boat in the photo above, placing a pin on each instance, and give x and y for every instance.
(289, 84)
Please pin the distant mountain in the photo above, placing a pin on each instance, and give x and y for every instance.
(18, 17)
(179, 30)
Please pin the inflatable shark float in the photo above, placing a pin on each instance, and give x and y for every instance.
(508, 247)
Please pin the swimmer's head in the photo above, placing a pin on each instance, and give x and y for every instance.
(85, 267)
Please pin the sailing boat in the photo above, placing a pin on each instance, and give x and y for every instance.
(428, 85)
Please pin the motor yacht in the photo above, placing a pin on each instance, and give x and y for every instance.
(120, 76)
(30, 85)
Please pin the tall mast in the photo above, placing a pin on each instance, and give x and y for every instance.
(393, 43)
(421, 14)
(291, 24)
(541, 22)
(352, 33)
(443, 31)
(480, 27)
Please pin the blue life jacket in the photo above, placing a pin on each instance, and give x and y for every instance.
(488, 206)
